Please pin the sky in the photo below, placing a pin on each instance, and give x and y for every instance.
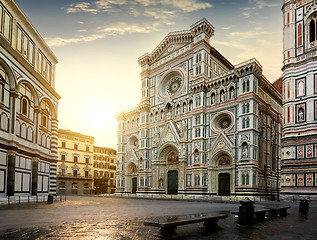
(98, 43)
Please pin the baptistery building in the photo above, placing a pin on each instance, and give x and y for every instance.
(28, 107)
(203, 126)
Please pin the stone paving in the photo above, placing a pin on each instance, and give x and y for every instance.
(120, 218)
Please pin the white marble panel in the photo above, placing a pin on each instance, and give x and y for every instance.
(3, 158)
(2, 180)
(26, 182)
(39, 183)
(28, 164)
(45, 183)
(22, 162)
(18, 182)
(47, 170)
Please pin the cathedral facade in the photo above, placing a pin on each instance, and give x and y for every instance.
(203, 126)
(299, 141)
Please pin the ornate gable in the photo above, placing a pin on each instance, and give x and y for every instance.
(169, 44)
(169, 134)
(222, 143)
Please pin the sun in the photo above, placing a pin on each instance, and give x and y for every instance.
(98, 117)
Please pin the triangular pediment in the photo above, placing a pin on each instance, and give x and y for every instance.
(169, 50)
(171, 43)
(169, 134)
(222, 143)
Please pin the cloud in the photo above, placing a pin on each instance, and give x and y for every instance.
(249, 34)
(100, 6)
(119, 28)
(187, 5)
(162, 15)
(81, 7)
(122, 28)
(265, 3)
(155, 13)
(226, 28)
(246, 14)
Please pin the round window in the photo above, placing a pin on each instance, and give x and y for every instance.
(170, 85)
(222, 122)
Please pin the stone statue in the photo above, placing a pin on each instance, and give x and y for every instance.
(301, 114)
(244, 151)
(222, 97)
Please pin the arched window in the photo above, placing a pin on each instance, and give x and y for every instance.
(177, 109)
(184, 107)
(243, 86)
(162, 114)
(26, 101)
(190, 107)
(45, 114)
(299, 35)
(24, 106)
(248, 86)
(247, 179)
(243, 179)
(231, 93)
(245, 108)
(312, 30)
(168, 110)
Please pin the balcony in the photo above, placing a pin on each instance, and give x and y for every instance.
(70, 176)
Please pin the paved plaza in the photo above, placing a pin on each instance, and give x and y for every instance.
(121, 218)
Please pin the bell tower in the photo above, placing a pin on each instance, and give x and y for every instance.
(299, 139)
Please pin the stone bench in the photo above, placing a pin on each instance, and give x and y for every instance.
(168, 225)
(258, 213)
(278, 210)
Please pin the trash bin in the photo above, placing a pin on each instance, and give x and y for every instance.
(304, 205)
(50, 199)
(246, 212)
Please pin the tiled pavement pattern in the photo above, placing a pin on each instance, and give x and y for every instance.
(122, 219)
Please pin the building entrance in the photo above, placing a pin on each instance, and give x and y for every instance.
(172, 178)
(134, 185)
(224, 184)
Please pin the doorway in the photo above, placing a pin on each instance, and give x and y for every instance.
(224, 184)
(134, 185)
(172, 179)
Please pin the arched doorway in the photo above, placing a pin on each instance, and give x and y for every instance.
(172, 182)
(224, 178)
(132, 171)
(169, 169)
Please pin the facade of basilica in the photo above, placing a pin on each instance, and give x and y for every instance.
(203, 126)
